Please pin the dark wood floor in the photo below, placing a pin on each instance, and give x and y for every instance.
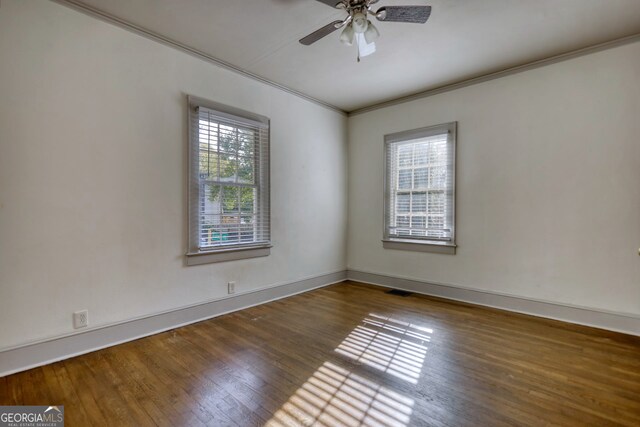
(350, 354)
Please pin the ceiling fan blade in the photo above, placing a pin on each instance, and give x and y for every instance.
(330, 3)
(318, 34)
(413, 14)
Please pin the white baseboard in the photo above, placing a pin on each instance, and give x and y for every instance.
(614, 321)
(43, 352)
(40, 353)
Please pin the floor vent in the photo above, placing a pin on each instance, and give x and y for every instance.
(399, 293)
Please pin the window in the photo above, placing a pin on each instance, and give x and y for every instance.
(228, 184)
(420, 189)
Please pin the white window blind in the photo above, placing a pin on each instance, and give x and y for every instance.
(419, 185)
(229, 179)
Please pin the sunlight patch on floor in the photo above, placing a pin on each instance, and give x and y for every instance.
(335, 396)
(390, 345)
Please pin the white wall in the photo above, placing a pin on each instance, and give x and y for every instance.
(548, 190)
(93, 204)
(93, 178)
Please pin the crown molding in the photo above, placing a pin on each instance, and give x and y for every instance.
(111, 19)
(499, 74)
(107, 17)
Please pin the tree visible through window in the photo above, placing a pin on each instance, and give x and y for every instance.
(227, 176)
(231, 182)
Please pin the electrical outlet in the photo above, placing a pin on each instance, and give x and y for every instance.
(232, 287)
(81, 319)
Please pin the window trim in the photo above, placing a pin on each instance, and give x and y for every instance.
(195, 255)
(419, 244)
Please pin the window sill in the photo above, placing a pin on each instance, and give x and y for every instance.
(227, 254)
(420, 246)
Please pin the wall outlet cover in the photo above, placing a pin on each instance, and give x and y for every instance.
(81, 319)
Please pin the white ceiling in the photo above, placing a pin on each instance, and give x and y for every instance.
(461, 40)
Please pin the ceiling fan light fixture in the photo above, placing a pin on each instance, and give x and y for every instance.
(360, 22)
(346, 37)
(372, 33)
(358, 29)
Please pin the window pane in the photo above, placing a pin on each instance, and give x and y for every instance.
(230, 199)
(245, 170)
(437, 152)
(230, 228)
(436, 222)
(248, 199)
(208, 161)
(246, 228)
(402, 223)
(246, 142)
(437, 176)
(419, 203)
(219, 229)
(208, 135)
(210, 201)
(420, 177)
(419, 223)
(403, 201)
(404, 179)
(421, 154)
(436, 203)
(228, 139)
(405, 153)
(210, 233)
(228, 167)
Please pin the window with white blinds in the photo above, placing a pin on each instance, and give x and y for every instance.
(420, 185)
(229, 178)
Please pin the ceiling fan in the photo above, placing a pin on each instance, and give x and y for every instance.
(358, 27)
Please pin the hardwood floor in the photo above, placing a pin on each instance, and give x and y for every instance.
(350, 354)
